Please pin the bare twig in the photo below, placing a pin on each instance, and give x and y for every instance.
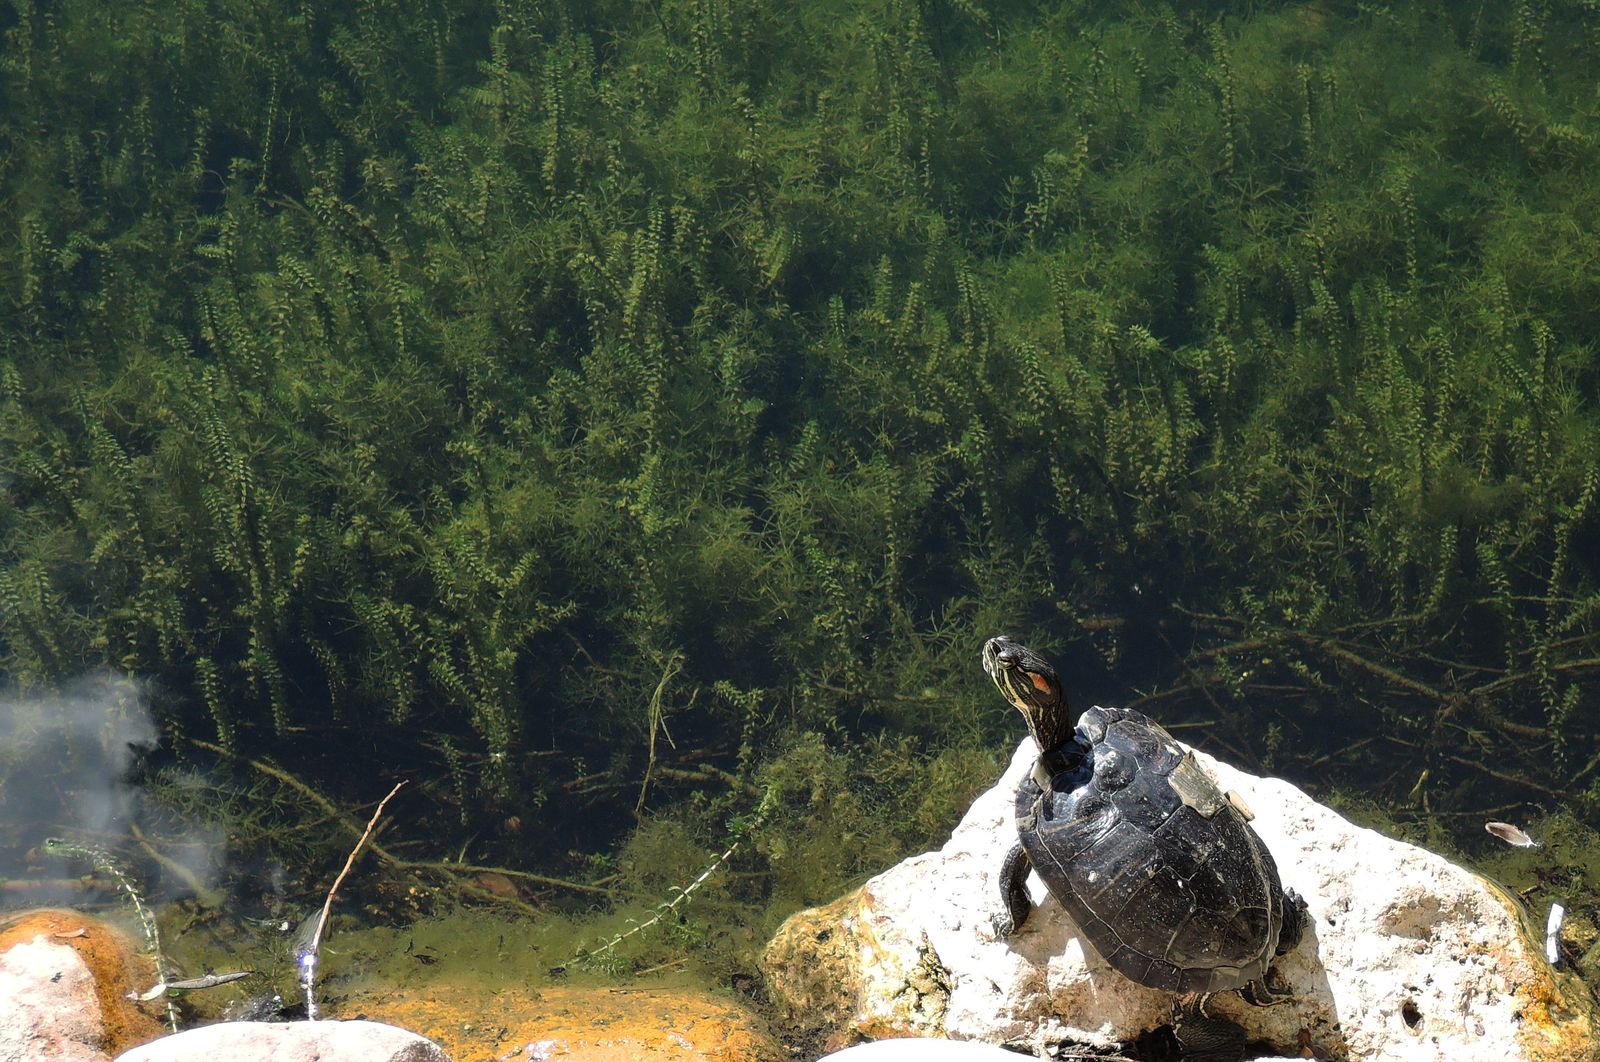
(1389, 675)
(1528, 676)
(708, 773)
(1594, 762)
(658, 967)
(1527, 783)
(1343, 750)
(308, 960)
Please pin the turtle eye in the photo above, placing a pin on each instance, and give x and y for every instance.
(1008, 657)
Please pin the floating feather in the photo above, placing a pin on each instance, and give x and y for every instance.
(1511, 834)
(1552, 933)
(210, 980)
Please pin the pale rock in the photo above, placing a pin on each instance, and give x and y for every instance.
(1407, 957)
(49, 1011)
(917, 1049)
(282, 1041)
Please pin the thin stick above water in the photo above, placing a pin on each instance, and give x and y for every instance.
(308, 959)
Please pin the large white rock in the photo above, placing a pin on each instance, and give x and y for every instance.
(49, 1011)
(1408, 956)
(282, 1041)
(912, 1049)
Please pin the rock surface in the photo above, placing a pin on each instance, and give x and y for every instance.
(300, 1041)
(50, 1010)
(912, 1049)
(575, 1024)
(1408, 956)
(63, 979)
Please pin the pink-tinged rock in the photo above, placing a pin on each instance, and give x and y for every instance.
(1408, 957)
(44, 1000)
(49, 1011)
(301, 1041)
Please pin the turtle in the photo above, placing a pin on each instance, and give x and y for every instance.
(1160, 870)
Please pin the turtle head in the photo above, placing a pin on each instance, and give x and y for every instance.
(1030, 684)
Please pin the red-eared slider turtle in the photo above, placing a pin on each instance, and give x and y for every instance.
(1159, 870)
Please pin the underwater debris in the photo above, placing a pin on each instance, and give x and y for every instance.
(1552, 933)
(1511, 834)
(210, 980)
(265, 1007)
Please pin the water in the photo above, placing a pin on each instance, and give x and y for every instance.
(612, 421)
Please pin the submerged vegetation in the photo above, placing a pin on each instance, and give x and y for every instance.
(598, 411)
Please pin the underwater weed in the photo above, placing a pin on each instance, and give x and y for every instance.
(740, 828)
(105, 863)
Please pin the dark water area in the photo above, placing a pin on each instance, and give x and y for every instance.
(625, 423)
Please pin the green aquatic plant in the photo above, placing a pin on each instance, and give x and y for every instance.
(604, 956)
(435, 383)
(107, 864)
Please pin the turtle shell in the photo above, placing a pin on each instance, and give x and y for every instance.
(1156, 866)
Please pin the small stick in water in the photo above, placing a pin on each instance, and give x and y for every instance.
(308, 958)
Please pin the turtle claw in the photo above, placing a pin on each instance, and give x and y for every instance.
(1263, 993)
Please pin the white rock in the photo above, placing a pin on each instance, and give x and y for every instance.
(48, 1008)
(282, 1041)
(917, 1049)
(1408, 956)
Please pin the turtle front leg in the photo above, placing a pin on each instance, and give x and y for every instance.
(1014, 891)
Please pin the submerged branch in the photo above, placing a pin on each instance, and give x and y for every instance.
(345, 822)
(1389, 675)
(384, 854)
(539, 879)
(1203, 671)
(208, 897)
(308, 958)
